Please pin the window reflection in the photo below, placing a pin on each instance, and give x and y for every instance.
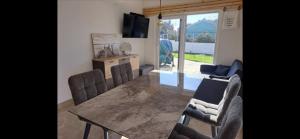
(185, 81)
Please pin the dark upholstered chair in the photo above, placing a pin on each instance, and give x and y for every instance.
(229, 128)
(223, 71)
(211, 113)
(121, 73)
(85, 86)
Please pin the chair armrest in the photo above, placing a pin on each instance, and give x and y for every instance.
(200, 116)
(208, 69)
(197, 114)
(219, 79)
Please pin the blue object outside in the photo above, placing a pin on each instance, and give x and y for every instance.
(165, 53)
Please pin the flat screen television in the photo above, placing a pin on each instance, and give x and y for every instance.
(135, 26)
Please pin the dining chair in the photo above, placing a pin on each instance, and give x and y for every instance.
(228, 129)
(121, 73)
(211, 113)
(85, 86)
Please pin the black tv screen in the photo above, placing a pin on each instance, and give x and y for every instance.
(135, 26)
(128, 23)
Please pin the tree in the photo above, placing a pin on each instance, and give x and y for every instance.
(188, 37)
(167, 31)
(205, 38)
(166, 27)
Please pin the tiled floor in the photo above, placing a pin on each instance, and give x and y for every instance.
(70, 127)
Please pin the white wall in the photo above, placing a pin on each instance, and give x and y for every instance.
(230, 41)
(230, 44)
(77, 19)
(151, 42)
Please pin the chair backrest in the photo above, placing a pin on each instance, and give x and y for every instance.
(230, 92)
(229, 128)
(121, 73)
(236, 68)
(87, 85)
(232, 121)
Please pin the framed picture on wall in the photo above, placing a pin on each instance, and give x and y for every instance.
(104, 45)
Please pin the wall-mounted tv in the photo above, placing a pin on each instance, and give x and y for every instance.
(135, 26)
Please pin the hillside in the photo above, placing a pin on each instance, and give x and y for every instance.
(202, 26)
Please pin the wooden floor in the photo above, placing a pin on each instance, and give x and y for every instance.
(70, 127)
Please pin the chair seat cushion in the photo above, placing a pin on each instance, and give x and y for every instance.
(196, 102)
(203, 110)
(200, 115)
(211, 91)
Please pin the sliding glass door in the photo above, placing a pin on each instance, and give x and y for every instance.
(169, 32)
(187, 41)
(200, 40)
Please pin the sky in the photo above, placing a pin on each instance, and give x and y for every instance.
(174, 22)
(193, 18)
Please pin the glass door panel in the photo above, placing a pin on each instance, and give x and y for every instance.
(169, 32)
(200, 38)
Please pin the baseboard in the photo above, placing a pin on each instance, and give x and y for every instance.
(63, 106)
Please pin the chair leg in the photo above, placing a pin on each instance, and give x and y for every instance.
(105, 132)
(214, 131)
(186, 120)
(87, 131)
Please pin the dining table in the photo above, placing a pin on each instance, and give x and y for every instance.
(147, 107)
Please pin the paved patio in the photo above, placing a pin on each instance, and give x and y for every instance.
(189, 66)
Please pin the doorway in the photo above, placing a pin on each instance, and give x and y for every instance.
(187, 41)
(169, 32)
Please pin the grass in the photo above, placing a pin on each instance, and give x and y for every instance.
(196, 57)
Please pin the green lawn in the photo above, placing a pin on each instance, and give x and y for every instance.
(196, 57)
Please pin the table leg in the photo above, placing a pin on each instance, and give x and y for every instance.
(186, 120)
(105, 131)
(87, 131)
(213, 131)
